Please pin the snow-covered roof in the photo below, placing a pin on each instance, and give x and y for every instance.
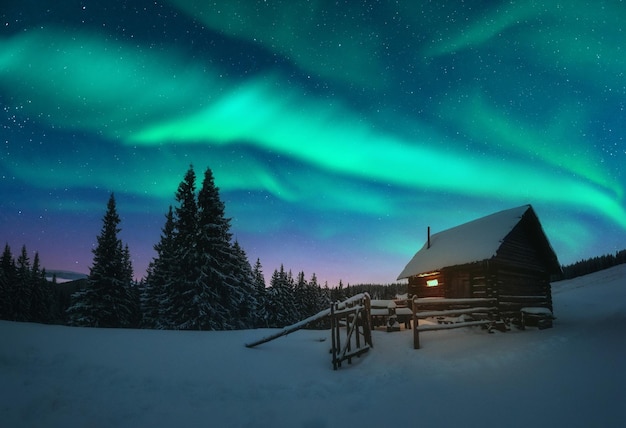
(467, 243)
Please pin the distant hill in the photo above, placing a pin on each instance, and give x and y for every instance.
(64, 275)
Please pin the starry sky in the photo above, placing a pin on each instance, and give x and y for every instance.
(337, 131)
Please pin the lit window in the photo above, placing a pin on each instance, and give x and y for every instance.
(432, 283)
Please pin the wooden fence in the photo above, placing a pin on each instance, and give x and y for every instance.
(482, 312)
(354, 315)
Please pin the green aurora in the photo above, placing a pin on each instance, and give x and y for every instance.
(325, 126)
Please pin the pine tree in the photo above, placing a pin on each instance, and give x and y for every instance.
(301, 297)
(322, 301)
(155, 300)
(132, 293)
(281, 305)
(106, 302)
(42, 304)
(205, 282)
(338, 294)
(181, 312)
(247, 307)
(216, 284)
(260, 293)
(8, 276)
(24, 287)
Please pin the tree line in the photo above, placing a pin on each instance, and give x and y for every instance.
(200, 279)
(25, 294)
(593, 264)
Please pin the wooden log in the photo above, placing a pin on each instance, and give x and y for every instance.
(290, 329)
(451, 312)
(357, 352)
(434, 327)
(444, 301)
(416, 334)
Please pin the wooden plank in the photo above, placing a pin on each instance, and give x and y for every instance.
(349, 335)
(444, 301)
(523, 297)
(434, 327)
(357, 352)
(452, 312)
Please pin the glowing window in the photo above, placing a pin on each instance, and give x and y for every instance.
(432, 283)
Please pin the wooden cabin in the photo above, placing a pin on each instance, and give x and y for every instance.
(505, 256)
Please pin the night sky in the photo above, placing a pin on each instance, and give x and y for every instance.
(336, 131)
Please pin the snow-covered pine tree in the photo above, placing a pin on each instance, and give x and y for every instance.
(204, 281)
(321, 298)
(260, 295)
(281, 305)
(42, 303)
(8, 275)
(160, 278)
(216, 285)
(225, 268)
(106, 301)
(246, 310)
(338, 294)
(301, 298)
(132, 291)
(24, 287)
(182, 310)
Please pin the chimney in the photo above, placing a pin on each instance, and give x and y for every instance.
(428, 237)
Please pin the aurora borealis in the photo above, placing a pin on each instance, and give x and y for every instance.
(336, 131)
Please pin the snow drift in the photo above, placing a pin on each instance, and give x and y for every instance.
(572, 375)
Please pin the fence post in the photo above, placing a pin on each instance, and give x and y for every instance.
(333, 328)
(348, 340)
(416, 333)
(367, 329)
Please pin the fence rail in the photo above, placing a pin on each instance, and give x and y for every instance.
(434, 308)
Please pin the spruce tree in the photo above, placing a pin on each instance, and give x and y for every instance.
(155, 299)
(24, 288)
(281, 305)
(260, 293)
(42, 303)
(322, 301)
(181, 312)
(187, 308)
(8, 275)
(204, 280)
(301, 297)
(216, 284)
(107, 301)
(244, 303)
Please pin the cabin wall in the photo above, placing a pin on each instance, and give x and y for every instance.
(514, 287)
(517, 289)
(466, 281)
(524, 248)
(418, 287)
(522, 268)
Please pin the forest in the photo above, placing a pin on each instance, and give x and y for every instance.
(200, 278)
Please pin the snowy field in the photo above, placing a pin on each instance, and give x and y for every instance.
(573, 375)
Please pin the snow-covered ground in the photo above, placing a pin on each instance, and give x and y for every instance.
(573, 375)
